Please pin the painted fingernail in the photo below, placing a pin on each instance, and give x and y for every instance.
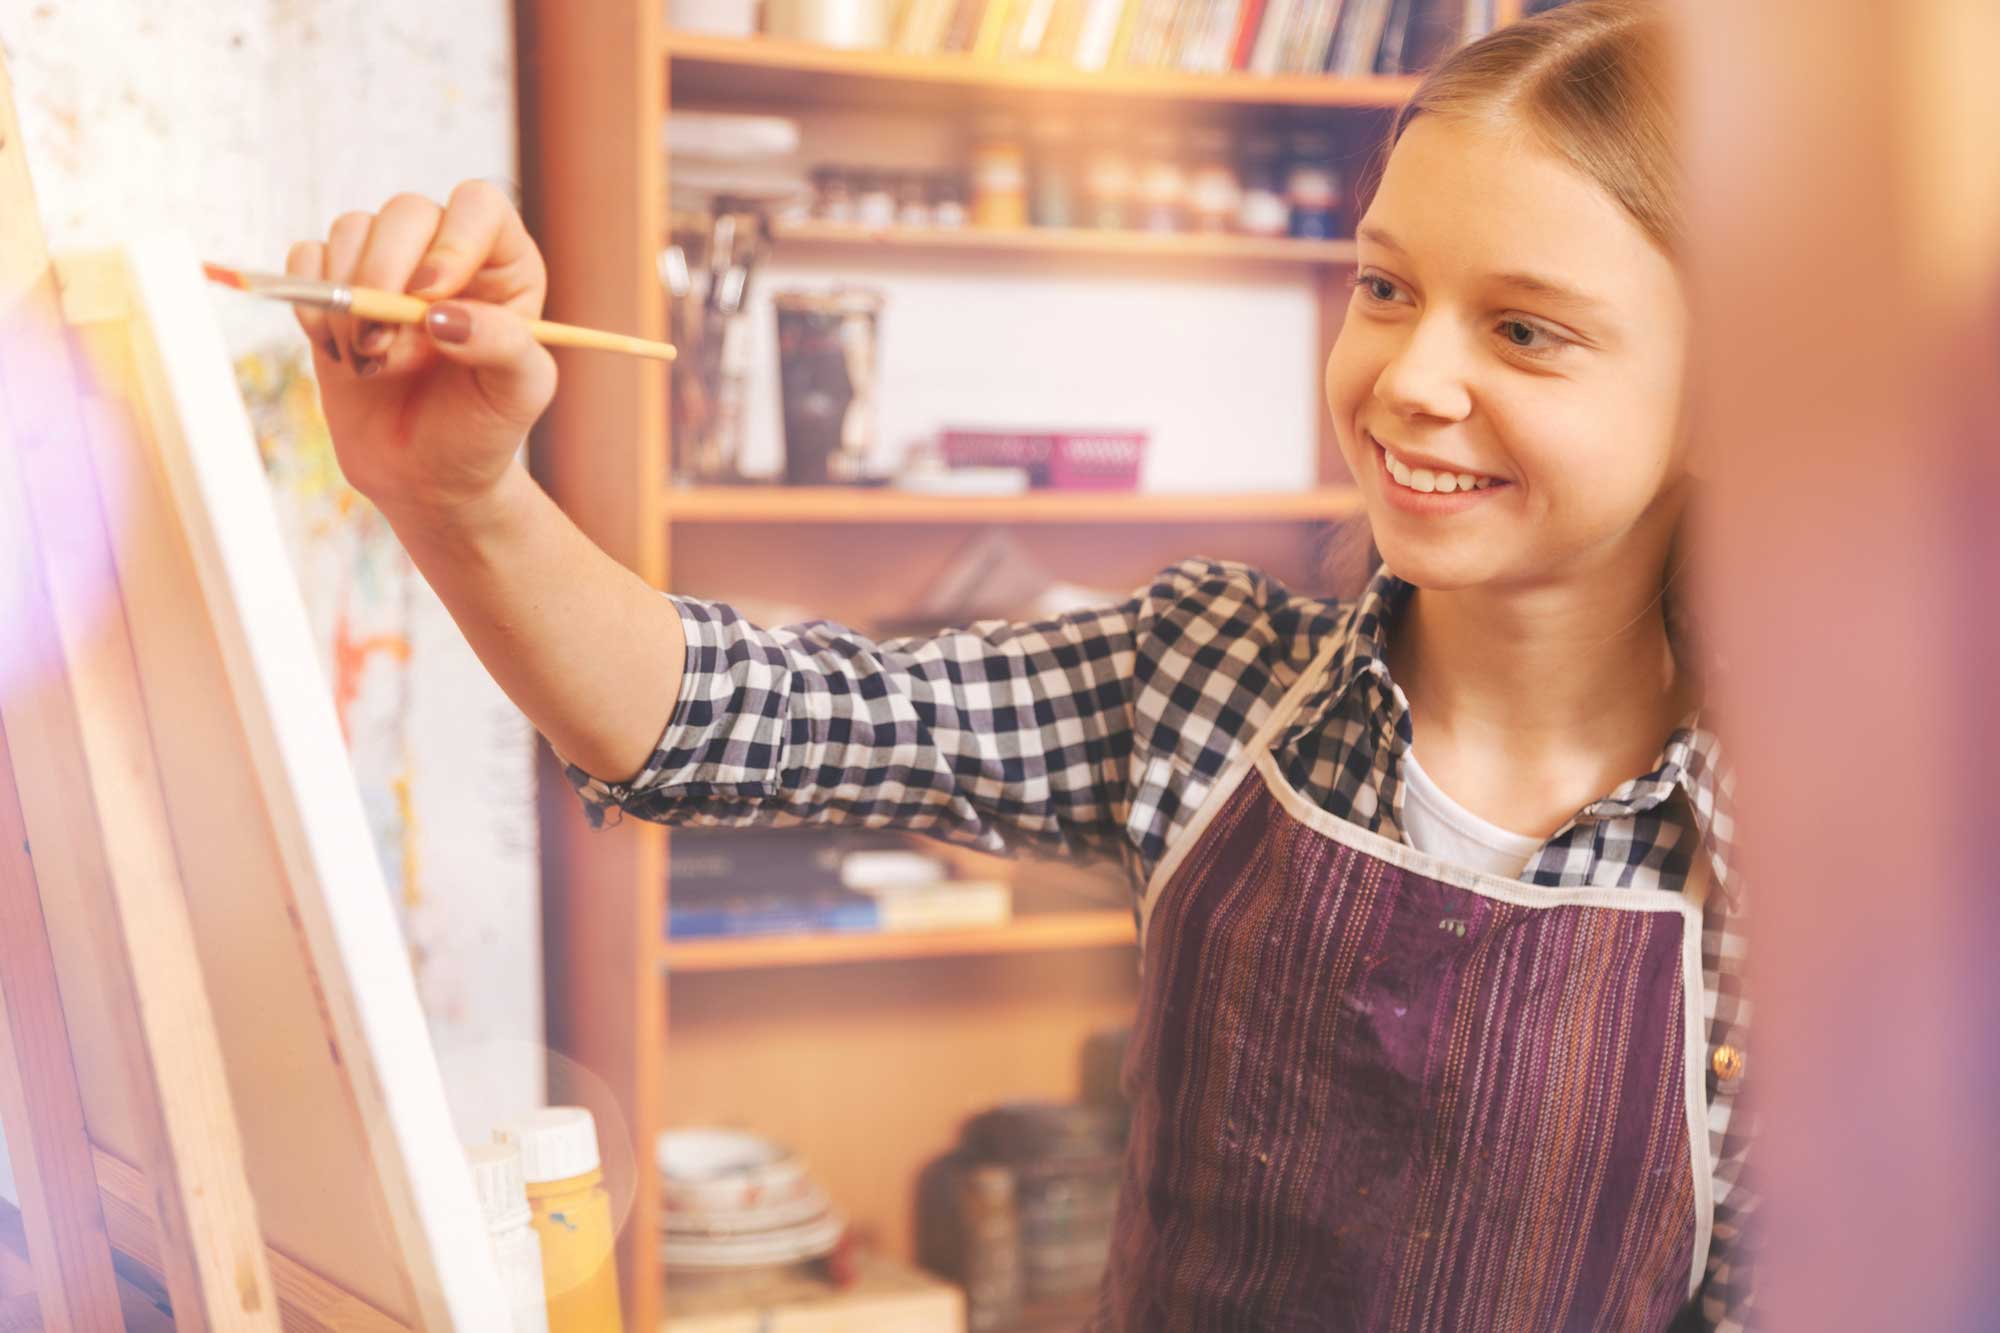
(364, 366)
(372, 337)
(332, 349)
(422, 279)
(449, 323)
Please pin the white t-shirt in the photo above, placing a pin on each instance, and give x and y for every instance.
(1437, 825)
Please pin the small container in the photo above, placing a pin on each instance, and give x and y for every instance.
(572, 1215)
(947, 192)
(1215, 195)
(1108, 183)
(833, 199)
(913, 205)
(1312, 188)
(861, 25)
(1054, 201)
(999, 178)
(1163, 192)
(503, 1197)
(1264, 211)
(874, 200)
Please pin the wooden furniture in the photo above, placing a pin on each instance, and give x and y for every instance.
(212, 1058)
(863, 1053)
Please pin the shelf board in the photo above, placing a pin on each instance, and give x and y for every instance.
(1071, 241)
(876, 504)
(1026, 934)
(741, 69)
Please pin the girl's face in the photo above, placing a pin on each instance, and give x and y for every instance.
(1509, 321)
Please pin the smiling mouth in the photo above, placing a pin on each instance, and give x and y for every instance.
(1425, 481)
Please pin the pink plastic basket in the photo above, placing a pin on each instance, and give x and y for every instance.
(1106, 460)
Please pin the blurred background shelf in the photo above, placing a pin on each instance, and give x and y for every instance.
(716, 69)
(1185, 247)
(873, 505)
(1044, 933)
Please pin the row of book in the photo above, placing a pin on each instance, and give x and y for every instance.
(803, 882)
(1352, 38)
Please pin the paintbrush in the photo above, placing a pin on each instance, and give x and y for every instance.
(395, 308)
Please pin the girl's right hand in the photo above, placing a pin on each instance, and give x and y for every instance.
(426, 418)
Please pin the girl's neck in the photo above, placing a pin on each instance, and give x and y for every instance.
(1541, 673)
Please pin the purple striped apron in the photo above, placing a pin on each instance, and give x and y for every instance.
(1372, 1090)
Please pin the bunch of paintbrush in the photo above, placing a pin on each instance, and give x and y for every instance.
(706, 301)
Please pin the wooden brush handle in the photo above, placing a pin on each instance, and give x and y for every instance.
(394, 308)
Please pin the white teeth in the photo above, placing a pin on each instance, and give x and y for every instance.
(1443, 483)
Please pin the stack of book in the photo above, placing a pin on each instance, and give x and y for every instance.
(1352, 38)
(735, 882)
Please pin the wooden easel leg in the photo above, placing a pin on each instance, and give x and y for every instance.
(41, 1108)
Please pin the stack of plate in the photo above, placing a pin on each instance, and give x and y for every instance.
(737, 1200)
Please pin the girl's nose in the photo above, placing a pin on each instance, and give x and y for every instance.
(1426, 373)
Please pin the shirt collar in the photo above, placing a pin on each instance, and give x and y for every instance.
(1692, 762)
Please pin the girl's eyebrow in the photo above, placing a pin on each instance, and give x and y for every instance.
(1548, 289)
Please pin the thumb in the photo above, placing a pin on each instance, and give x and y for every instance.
(515, 372)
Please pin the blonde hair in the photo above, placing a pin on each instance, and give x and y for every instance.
(1592, 82)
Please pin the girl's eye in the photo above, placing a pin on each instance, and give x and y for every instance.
(1519, 333)
(1556, 342)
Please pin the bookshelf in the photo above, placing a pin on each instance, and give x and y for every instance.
(863, 1052)
(1039, 932)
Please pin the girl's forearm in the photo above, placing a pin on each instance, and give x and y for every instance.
(583, 646)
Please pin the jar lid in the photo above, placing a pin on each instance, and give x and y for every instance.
(503, 1192)
(556, 1142)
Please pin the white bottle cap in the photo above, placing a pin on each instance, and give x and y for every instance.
(503, 1194)
(556, 1142)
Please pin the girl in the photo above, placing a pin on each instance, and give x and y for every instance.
(1443, 1044)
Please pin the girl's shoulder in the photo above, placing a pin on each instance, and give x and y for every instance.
(1204, 614)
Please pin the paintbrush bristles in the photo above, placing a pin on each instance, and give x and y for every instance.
(396, 308)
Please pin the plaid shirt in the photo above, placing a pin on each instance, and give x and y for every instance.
(1102, 731)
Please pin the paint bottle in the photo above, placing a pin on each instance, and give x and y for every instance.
(503, 1196)
(572, 1216)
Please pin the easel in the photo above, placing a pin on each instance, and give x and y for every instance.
(123, 1011)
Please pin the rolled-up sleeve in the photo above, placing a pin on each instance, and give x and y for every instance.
(995, 734)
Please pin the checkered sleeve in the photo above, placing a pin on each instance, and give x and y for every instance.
(1087, 732)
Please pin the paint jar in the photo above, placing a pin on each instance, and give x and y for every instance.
(1163, 185)
(1054, 199)
(833, 198)
(913, 205)
(1107, 183)
(1215, 196)
(947, 200)
(999, 177)
(572, 1217)
(1264, 211)
(874, 200)
(503, 1197)
(1312, 188)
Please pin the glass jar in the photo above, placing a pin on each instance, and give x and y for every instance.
(874, 200)
(1053, 202)
(1163, 192)
(1215, 195)
(1107, 182)
(832, 199)
(913, 205)
(999, 177)
(1312, 188)
(947, 192)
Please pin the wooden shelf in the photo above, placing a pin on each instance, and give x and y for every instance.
(1052, 241)
(1029, 934)
(763, 69)
(874, 504)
